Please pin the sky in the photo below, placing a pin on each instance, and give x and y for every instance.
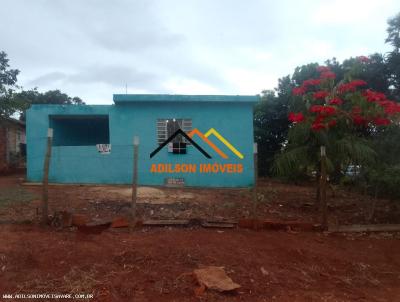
(96, 48)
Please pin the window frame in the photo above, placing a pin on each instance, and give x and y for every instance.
(162, 129)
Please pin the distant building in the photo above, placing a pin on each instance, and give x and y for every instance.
(185, 140)
(12, 143)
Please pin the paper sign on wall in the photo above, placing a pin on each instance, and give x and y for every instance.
(104, 148)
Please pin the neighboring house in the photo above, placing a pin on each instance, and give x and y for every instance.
(191, 140)
(12, 143)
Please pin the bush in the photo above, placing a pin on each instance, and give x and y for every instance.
(385, 181)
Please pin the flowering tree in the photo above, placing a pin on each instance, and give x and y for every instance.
(337, 115)
(347, 103)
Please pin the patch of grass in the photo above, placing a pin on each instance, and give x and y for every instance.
(15, 195)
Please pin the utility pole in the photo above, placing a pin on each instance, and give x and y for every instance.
(45, 182)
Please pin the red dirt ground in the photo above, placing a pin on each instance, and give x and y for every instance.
(156, 264)
(276, 201)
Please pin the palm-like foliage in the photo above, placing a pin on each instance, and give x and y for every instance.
(302, 152)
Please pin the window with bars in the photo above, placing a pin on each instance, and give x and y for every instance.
(167, 127)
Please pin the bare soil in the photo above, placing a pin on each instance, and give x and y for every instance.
(156, 264)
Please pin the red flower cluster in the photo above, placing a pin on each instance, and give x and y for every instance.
(323, 117)
(328, 75)
(381, 121)
(318, 126)
(335, 101)
(363, 59)
(346, 87)
(373, 96)
(320, 94)
(323, 69)
(323, 110)
(357, 83)
(356, 116)
(296, 117)
(299, 90)
(390, 107)
(359, 120)
(319, 123)
(351, 86)
(311, 82)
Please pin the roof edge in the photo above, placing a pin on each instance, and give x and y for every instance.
(128, 98)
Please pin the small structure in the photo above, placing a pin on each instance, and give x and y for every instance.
(12, 144)
(191, 140)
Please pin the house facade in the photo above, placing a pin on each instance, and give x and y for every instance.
(12, 143)
(188, 140)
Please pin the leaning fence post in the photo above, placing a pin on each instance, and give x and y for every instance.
(134, 179)
(255, 197)
(323, 188)
(45, 182)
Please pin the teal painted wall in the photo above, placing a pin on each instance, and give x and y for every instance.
(83, 164)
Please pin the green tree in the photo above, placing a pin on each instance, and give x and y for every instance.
(270, 128)
(271, 123)
(270, 116)
(12, 102)
(393, 57)
(375, 71)
(33, 96)
(338, 115)
(8, 80)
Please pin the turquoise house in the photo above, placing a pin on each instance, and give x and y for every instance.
(184, 140)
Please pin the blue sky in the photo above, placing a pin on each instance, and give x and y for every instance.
(94, 48)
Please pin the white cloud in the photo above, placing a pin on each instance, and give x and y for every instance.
(250, 82)
(184, 86)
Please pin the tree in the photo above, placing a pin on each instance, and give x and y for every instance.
(383, 177)
(271, 123)
(270, 116)
(393, 57)
(337, 115)
(33, 96)
(12, 102)
(393, 31)
(270, 128)
(8, 80)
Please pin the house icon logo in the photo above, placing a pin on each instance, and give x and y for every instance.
(189, 137)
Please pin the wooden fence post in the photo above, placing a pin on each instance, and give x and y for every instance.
(134, 179)
(255, 197)
(323, 189)
(45, 182)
